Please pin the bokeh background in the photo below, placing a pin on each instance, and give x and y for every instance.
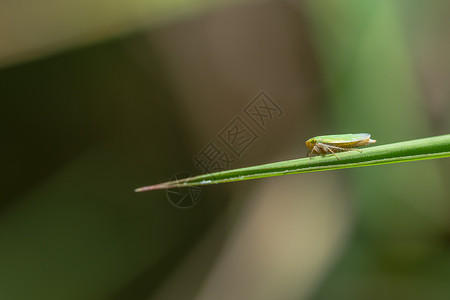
(100, 97)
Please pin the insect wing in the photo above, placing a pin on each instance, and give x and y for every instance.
(345, 140)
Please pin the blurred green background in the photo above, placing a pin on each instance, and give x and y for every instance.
(100, 97)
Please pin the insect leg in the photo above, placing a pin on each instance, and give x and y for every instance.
(311, 152)
(344, 149)
(315, 149)
(329, 149)
(308, 154)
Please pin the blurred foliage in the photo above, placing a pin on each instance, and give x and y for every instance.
(81, 129)
(403, 220)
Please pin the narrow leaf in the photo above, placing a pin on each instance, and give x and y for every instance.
(426, 148)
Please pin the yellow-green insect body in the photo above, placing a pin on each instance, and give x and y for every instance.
(337, 143)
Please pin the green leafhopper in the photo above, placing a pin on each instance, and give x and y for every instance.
(337, 143)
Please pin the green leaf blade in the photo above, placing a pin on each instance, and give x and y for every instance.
(414, 150)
